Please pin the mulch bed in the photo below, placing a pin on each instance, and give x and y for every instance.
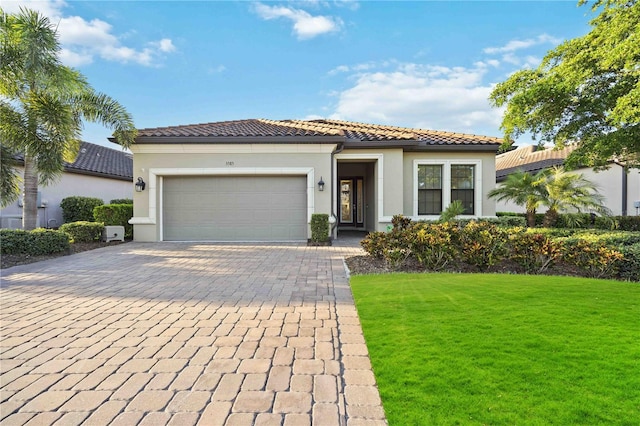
(9, 260)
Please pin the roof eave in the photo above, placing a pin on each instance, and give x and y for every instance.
(141, 140)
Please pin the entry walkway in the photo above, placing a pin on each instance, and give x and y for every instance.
(181, 334)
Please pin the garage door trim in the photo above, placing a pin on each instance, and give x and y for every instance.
(156, 174)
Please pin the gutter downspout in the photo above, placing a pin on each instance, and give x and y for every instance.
(334, 226)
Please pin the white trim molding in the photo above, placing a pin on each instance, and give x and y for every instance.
(446, 185)
(380, 178)
(157, 174)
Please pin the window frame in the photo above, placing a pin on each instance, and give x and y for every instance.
(446, 184)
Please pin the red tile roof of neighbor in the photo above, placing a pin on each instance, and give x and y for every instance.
(530, 158)
(348, 131)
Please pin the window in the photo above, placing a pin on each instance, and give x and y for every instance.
(440, 182)
(462, 186)
(429, 189)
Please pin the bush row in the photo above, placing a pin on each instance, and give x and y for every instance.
(33, 243)
(585, 221)
(481, 246)
(86, 209)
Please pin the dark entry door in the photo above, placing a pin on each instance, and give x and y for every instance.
(351, 198)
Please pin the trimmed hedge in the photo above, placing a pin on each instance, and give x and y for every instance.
(83, 232)
(121, 201)
(76, 209)
(115, 215)
(621, 223)
(34, 243)
(319, 227)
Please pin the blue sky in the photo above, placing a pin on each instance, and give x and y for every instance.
(421, 64)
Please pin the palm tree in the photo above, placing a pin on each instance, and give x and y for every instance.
(525, 189)
(570, 192)
(42, 107)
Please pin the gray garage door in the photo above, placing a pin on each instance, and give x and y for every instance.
(232, 208)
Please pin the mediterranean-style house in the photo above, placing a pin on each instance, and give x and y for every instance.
(261, 180)
(98, 172)
(619, 185)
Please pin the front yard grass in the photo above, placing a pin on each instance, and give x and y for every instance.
(470, 349)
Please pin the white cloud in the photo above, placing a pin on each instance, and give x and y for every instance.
(514, 45)
(83, 40)
(305, 25)
(425, 96)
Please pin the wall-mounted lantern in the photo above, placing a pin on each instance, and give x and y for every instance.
(140, 185)
(320, 184)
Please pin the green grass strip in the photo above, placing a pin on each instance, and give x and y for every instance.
(467, 349)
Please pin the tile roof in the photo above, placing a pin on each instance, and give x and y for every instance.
(530, 158)
(99, 160)
(350, 131)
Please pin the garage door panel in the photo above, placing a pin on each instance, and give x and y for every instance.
(234, 208)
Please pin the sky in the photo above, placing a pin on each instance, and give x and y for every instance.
(422, 64)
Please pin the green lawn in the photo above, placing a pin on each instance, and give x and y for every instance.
(459, 349)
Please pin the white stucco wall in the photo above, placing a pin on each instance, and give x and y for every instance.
(609, 183)
(70, 184)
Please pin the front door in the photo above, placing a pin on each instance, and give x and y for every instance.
(351, 202)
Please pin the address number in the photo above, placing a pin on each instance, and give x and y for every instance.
(230, 163)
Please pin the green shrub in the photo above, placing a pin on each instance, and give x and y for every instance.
(621, 223)
(629, 268)
(553, 232)
(319, 227)
(35, 243)
(533, 251)
(374, 244)
(574, 220)
(75, 209)
(609, 238)
(432, 245)
(452, 211)
(400, 222)
(115, 215)
(83, 232)
(121, 201)
(483, 244)
(509, 221)
(596, 259)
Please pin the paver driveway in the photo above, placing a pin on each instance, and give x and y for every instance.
(177, 333)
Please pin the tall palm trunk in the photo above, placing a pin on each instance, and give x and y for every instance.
(30, 201)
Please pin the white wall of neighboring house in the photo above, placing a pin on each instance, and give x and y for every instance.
(609, 183)
(70, 184)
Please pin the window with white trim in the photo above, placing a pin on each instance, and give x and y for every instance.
(437, 183)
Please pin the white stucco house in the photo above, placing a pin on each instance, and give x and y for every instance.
(98, 172)
(261, 180)
(620, 186)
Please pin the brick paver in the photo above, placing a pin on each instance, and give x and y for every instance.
(185, 334)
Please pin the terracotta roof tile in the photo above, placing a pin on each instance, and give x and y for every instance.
(237, 128)
(353, 131)
(530, 158)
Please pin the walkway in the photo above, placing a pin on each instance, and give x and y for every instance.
(181, 334)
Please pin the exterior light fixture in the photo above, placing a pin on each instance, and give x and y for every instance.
(320, 184)
(140, 185)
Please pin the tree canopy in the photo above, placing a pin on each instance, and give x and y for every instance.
(42, 107)
(585, 91)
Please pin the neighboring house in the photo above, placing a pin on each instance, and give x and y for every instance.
(620, 187)
(98, 172)
(261, 180)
